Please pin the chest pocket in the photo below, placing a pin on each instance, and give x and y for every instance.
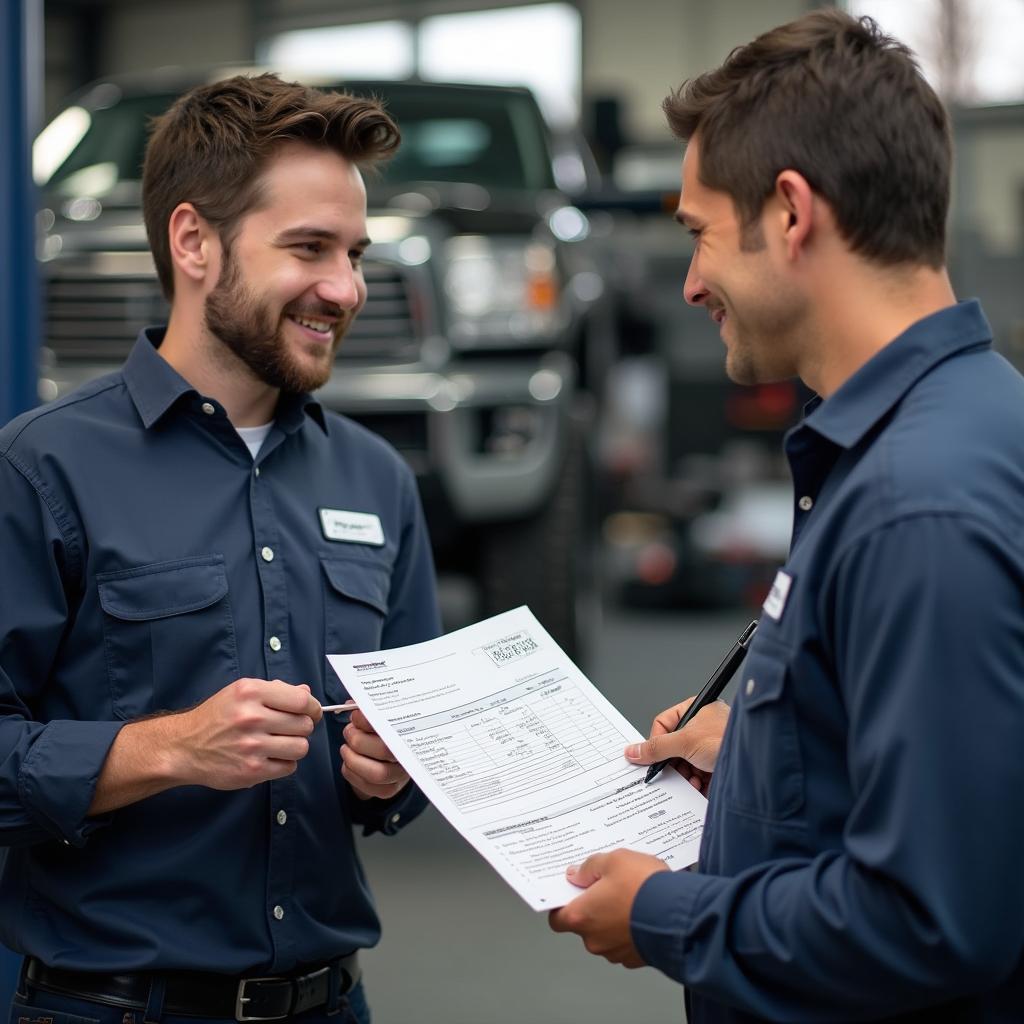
(765, 774)
(355, 606)
(169, 635)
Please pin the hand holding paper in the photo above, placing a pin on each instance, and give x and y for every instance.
(367, 762)
(600, 915)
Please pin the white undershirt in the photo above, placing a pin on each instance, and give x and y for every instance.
(254, 437)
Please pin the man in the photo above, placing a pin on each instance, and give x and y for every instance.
(862, 850)
(182, 542)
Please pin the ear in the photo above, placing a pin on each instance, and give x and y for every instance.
(795, 202)
(194, 244)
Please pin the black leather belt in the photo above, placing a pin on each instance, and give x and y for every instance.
(199, 994)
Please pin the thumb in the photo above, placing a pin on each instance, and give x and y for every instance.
(648, 752)
(586, 874)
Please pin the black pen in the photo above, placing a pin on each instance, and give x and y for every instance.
(712, 688)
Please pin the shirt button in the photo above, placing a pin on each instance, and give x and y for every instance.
(395, 819)
(256, 471)
(267, 554)
(750, 686)
(279, 912)
(282, 817)
(275, 644)
(806, 503)
(208, 408)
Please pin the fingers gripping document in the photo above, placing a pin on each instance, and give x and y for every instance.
(519, 751)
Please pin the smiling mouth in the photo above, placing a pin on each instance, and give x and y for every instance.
(322, 329)
(718, 315)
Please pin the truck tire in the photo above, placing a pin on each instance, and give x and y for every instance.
(547, 560)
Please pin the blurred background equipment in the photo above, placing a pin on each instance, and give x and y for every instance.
(526, 345)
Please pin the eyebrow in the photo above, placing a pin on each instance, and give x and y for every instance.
(305, 232)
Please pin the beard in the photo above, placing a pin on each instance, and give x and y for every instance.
(246, 326)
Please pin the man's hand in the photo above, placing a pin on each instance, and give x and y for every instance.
(252, 731)
(601, 915)
(367, 764)
(696, 745)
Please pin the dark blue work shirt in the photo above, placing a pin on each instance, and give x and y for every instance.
(148, 561)
(863, 856)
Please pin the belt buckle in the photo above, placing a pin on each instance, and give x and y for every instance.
(241, 999)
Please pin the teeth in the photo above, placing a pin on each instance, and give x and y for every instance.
(314, 325)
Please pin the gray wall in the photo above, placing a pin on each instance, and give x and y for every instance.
(642, 49)
(638, 50)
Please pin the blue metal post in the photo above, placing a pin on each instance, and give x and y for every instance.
(20, 79)
(20, 91)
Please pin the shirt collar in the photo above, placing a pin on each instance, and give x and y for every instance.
(846, 416)
(155, 386)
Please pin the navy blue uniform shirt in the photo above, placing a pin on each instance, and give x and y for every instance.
(863, 856)
(148, 561)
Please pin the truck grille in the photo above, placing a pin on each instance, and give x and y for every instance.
(96, 318)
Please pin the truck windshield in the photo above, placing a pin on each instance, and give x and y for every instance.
(494, 138)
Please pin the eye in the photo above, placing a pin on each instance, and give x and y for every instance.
(356, 257)
(310, 248)
(694, 233)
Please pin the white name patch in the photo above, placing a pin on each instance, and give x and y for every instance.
(775, 602)
(351, 527)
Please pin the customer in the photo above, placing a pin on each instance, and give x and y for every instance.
(862, 852)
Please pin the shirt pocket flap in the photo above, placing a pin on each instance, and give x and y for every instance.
(368, 582)
(164, 589)
(763, 680)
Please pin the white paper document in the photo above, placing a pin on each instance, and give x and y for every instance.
(519, 751)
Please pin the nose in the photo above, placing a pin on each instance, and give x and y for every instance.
(694, 290)
(342, 286)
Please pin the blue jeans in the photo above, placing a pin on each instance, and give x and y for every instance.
(33, 1006)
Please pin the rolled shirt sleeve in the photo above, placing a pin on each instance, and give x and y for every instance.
(921, 902)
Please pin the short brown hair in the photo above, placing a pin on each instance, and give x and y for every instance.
(211, 146)
(834, 98)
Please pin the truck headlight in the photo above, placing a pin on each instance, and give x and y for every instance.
(501, 289)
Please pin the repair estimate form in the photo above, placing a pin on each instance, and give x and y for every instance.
(519, 751)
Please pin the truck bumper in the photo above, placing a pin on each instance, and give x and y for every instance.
(492, 436)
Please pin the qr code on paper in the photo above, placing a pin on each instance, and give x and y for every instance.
(511, 648)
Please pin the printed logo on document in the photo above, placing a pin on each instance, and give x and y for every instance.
(510, 648)
(351, 527)
(775, 602)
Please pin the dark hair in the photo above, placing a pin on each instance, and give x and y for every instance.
(211, 146)
(834, 98)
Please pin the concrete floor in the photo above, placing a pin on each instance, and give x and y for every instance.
(459, 946)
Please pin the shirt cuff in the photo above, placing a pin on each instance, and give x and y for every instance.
(662, 916)
(58, 778)
(388, 816)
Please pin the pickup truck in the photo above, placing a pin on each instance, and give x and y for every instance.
(472, 352)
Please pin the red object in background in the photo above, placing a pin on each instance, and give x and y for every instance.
(762, 406)
(656, 564)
